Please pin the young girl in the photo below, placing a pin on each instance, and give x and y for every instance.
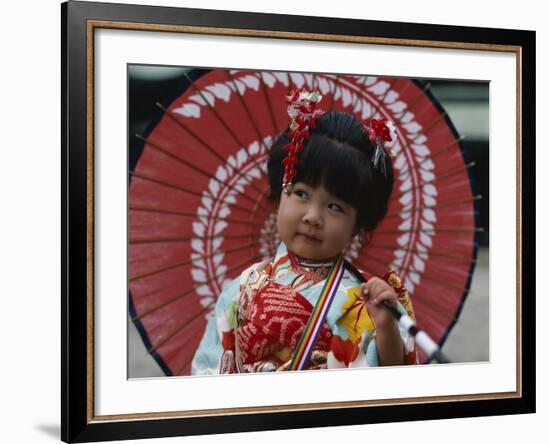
(306, 308)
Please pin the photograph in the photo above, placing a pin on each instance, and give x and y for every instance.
(206, 211)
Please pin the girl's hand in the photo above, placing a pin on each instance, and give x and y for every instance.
(375, 291)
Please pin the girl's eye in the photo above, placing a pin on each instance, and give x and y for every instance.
(301, 194)
(335, 207)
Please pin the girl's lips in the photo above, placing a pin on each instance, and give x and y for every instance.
(311, 238)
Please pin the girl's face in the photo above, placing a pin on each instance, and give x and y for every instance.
(313, 223)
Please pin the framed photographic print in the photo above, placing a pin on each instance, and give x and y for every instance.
(191, 295)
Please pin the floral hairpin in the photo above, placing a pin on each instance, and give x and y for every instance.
(380, 131)
(303, 116)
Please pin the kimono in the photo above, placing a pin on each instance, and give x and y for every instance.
(260, 316)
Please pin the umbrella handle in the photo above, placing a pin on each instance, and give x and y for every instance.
(427, 344)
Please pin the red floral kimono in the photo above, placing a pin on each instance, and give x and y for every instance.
(260, 318)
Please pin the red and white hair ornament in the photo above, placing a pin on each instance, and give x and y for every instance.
(303, 115)
(380, 131)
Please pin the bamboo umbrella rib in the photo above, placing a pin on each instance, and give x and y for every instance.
(441, 151)
(187, 361)
(269, 104)
(161, 211)
(193, 288)
(464, 229)
(382, 264)
(430, 126)
(255, 162)
(187, 262)
(336, 79)
(187, 214)
(313, 82)
(289, 81)
(218, 117)
(185, 190)
(357, 96)
(433, 307)
(168, 336)
(424, 276)
(456, 170)
(169, 185)
(438, 205)
(447, 284)
(418, 301)
(186, 238)
(199, 170)
(166, 303)
(415, 102)
(438, 178)
(383, 98)
(415, 250)
(175, 332)
(191, 132)
(402, 93)
(247, 111)
(421, 160)
(264, 195)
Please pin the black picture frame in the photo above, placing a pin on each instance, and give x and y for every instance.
(78, 423)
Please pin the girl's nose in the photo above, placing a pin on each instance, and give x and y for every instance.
(313, 216)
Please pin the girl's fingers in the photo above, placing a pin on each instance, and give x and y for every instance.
(389, 296)
(376, 285)
(373, 286)
(376, 291)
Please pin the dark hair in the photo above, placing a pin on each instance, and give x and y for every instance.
(338, 156)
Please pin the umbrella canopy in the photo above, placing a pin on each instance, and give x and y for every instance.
(199, 211)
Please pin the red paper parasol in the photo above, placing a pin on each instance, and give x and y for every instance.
(199, 212)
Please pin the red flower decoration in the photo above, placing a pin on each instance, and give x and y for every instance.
(379, 129)
(303, 115)
(344, 350)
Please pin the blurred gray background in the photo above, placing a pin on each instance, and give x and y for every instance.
(467, 104)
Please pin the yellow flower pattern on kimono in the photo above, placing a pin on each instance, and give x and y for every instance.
(353, 326)
(355, 318)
